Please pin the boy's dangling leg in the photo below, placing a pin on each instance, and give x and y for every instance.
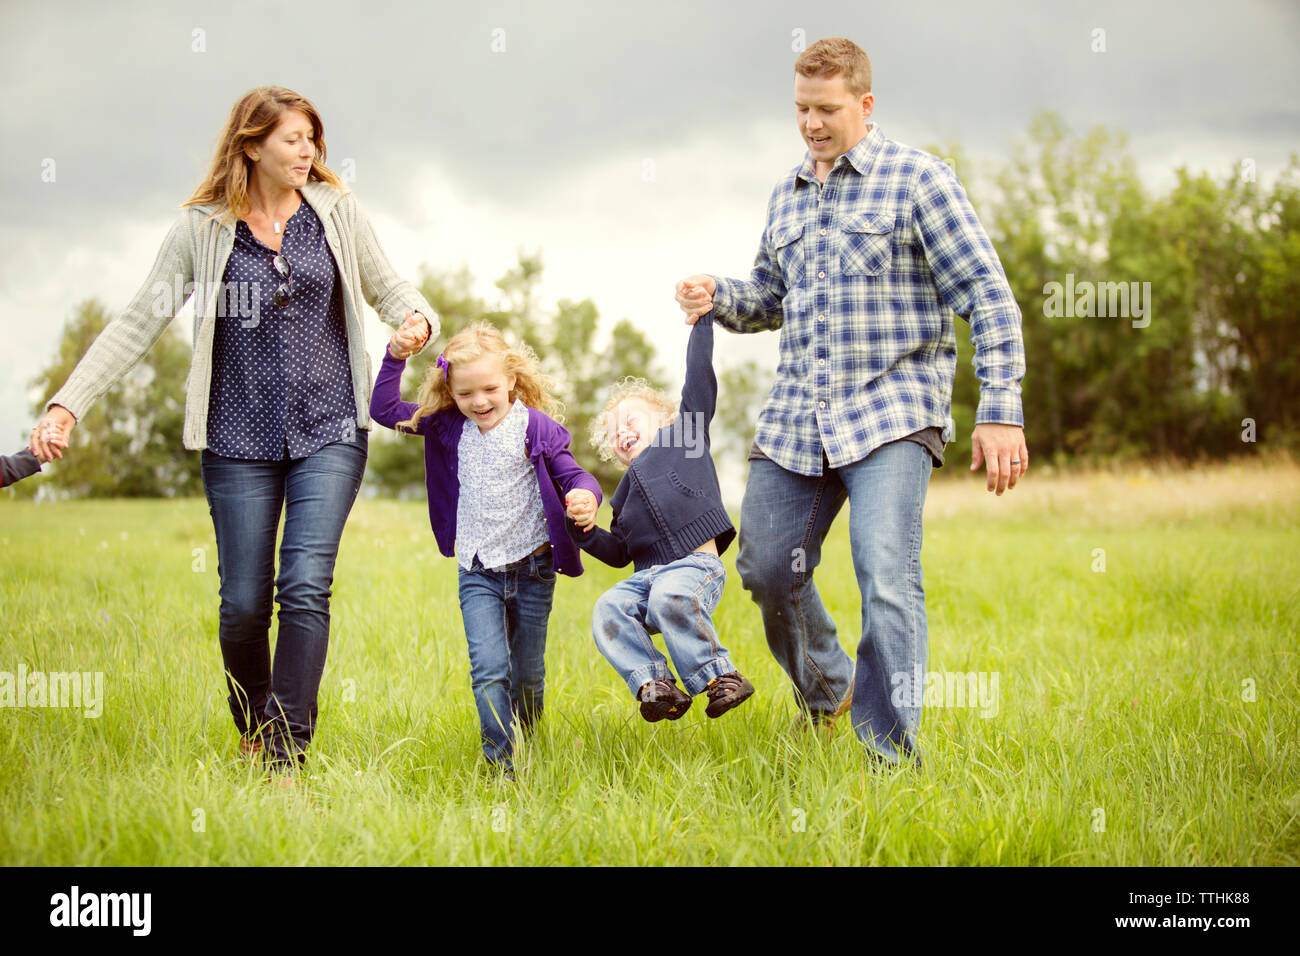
(681, 603)
(618, 624)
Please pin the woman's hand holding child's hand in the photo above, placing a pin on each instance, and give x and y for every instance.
(50, 435)
(410, 338)
(581, 506)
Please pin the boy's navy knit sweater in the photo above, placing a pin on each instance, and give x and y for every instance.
(669, 502)
(17, 467)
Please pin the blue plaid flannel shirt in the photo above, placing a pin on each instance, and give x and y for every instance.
(862, 276)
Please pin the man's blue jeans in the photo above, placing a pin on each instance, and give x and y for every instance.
(245, 498)
(505, 614)
(784, 520)
(676, 600)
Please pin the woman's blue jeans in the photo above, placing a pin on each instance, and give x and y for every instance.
(506, 613)
(278, 700)
(783, 521)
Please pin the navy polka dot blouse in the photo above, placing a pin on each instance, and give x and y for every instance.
(281, 383)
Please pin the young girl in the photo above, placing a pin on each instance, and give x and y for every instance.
(493, 459)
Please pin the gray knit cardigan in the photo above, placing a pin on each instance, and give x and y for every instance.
(196, 251)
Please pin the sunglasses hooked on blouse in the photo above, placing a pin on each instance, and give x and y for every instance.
(285, 270)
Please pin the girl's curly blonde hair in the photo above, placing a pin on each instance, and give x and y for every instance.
(630, 387)
(481, 338)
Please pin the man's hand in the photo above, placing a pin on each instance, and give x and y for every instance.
(695, 296)
(1003, 452)
(50, 434)
(581, 506)
(410, 338)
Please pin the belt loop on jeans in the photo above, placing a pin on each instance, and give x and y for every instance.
(541, 550)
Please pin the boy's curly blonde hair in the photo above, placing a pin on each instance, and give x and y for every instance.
(531, 386)
(630, 387)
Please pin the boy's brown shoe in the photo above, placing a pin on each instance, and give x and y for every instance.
(662, 698)
(727, 691)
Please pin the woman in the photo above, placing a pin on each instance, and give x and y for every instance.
(280, 259)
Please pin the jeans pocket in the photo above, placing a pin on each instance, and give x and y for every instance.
(710, 590)
(544, 569)
(868, 245)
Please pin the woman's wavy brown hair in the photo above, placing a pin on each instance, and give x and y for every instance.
(531, 386)
(251, 120)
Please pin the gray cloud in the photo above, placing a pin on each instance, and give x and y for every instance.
(114, 93)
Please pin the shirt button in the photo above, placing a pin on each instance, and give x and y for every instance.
(821, 404)
(821, 361)
(821, 275)
(821, 318)
(823, 232)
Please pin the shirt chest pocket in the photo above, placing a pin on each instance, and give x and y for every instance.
(868, 245)
(788, 243)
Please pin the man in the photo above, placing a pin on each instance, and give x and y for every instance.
(869, 248)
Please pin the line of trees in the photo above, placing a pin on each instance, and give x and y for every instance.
(1211, 367)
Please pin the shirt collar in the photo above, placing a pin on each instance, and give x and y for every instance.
(320, 197)
(516, 421)
(860, 157)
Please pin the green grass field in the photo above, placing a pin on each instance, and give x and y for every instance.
(1147, 713)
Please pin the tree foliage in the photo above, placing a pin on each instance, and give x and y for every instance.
(1219, 263)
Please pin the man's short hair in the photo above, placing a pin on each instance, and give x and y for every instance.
(836, 56)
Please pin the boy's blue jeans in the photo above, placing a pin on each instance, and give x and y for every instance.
(676, 600)
(783, 521)
(506, 613)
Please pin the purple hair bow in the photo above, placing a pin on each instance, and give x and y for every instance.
(442, 364)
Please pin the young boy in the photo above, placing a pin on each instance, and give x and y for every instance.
(670, 523)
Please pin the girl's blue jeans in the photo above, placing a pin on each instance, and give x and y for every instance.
(505, 613)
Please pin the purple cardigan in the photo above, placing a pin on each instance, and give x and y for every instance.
(547, 443)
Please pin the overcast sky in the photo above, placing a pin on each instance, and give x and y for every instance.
(463, 155)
